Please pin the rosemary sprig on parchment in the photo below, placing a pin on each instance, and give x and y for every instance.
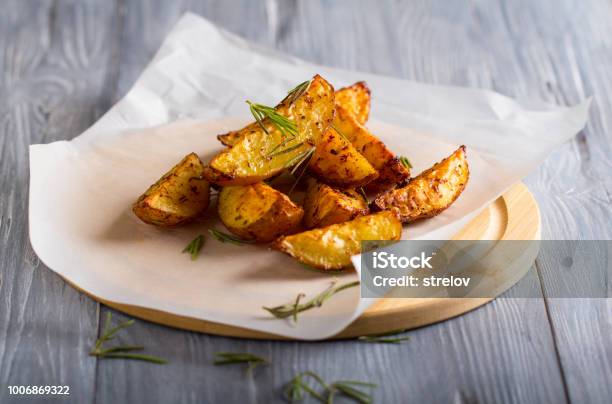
(230, 358)
(294, 308)
(194, 247)
(385, 338)
(228, 238)
(404, 160)
(298, 387)
(120, 351)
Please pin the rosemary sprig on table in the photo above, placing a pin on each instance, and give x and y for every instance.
(294, 308)
(385, 338)
(120, 351)
(229, 358)
(297, 389)
(228, 238)
(405, 162)
(194, 247)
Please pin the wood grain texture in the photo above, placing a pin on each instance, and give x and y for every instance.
(54, 59)
(63, 63)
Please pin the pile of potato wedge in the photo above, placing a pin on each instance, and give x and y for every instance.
(352, 186)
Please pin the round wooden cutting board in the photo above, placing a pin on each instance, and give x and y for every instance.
(513, 216)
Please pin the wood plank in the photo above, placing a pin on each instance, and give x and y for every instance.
(54, 59)
(574, 186)
(503, 352)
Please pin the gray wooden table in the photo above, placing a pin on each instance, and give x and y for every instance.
(64, 63)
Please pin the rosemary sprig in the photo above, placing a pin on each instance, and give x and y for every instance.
(334, 127)
(385, 338)
(194, 247)
(120, 351)
(301, 166)
(404, 160)
(229, 358)
(228, 238)
(285, 151)
(284, 124)
(297, 92)
(297, 388)
(294, 308)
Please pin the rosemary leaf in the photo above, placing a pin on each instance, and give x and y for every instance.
(334, 127)
(348, 388)
(194, 247)
(292, 309)
(287, 150)
(122, 348)
(302, 166)
(404, 160)
(139, 357)
(297, 387)
(385, 338)
(228, 238)
(119, 351)
(297, 92)
(229, 358)
(262, 112)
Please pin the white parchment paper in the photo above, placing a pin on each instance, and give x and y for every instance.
(81, 191)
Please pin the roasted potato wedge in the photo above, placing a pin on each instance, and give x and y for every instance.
(258, 212)
(324, 205)
(331, 247)
(390, 170)
(430, 192)
(356, 100)
(336, 162)
(179, 196)
(259, 155)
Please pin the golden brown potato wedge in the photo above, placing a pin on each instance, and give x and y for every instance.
(331, 247)
(259, 155)
(430, 192)
(179, 196)
(336, 162)
(324, 205)
(356, 100)
(390, 170)
(258, 212)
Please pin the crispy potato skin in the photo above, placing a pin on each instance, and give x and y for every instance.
(258, 212)
(324, 205)
(356, 100)
(251, 159)
(180, 196)
(430, 192)
(230, 138)
(390, 171)
(331, 247)
(336, 162)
